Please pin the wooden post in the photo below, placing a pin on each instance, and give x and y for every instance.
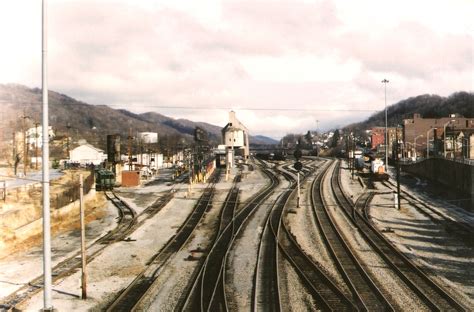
(4, 191)
(83, 238)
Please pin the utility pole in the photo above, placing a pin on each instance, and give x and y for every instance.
(68, 127)
(130, 149)
(25, 142)
(14, 151)
(385, 81)
(36, 145)
(398, 169)
(47, 277)
(353, 155)
(83, 238)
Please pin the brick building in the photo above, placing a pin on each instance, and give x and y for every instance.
(458, 142)
(378, 138)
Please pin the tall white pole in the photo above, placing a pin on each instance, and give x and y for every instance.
(45, 168)
(385, 81)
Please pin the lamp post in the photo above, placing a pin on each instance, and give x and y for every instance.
(385, 81)
(428, 142)
(397, 151)
(444, 134)
(414, 145)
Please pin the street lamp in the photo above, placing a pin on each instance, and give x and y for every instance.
(385, 81)
(428, 142)
(444, 134)
(414, 144)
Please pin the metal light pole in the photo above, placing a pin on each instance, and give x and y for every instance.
(385, 81)
(397, 150)
(47, 304)
(414, 144)
(444, 134)
(428, 142)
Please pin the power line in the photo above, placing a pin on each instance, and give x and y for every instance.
(289, 109)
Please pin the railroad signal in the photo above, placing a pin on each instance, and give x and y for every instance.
(298, 166)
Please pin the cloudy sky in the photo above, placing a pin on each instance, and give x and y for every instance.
(283, 66)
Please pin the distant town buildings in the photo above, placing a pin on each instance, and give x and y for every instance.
(450, 136)
(34, 136)
(378, 138)
(148, 137)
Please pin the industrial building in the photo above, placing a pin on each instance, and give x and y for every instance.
(236, 140)
(87, 154)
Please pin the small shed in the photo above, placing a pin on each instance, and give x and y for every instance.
(131, 178)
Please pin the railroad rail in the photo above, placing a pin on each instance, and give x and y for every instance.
(192, 291)
(266, 289)
(434, 296)
(132, 295)
(365, 293)
(209, 294)
(326, 294)
(456, 226)
(127, 218)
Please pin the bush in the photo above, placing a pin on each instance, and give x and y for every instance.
(55, 164)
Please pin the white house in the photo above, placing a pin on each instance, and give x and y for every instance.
(87, 154)
(35, 136)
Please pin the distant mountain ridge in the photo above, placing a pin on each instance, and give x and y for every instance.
(94, 122)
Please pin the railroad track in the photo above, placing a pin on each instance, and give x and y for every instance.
(266, 289)
(326, 294)
(131, 297)
(365, 293)
(127, 218)
(276, 242)
(209, 293)
(435, 297)
(451, 225)
(191, 294)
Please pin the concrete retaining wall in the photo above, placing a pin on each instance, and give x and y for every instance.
(66, 218)
(454, 175)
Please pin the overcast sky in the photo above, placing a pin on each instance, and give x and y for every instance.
(281, 65)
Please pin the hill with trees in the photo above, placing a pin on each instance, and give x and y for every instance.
(427, 105)
(79, 120)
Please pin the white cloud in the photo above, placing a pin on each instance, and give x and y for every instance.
(299, 68)
(323, 59)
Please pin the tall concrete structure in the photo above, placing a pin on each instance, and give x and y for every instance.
(236, 139)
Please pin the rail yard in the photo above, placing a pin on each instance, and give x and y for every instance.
(252, 242)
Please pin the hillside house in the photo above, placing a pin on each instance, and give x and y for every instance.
(87, 154)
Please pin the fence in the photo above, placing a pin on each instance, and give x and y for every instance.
(71, 193)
